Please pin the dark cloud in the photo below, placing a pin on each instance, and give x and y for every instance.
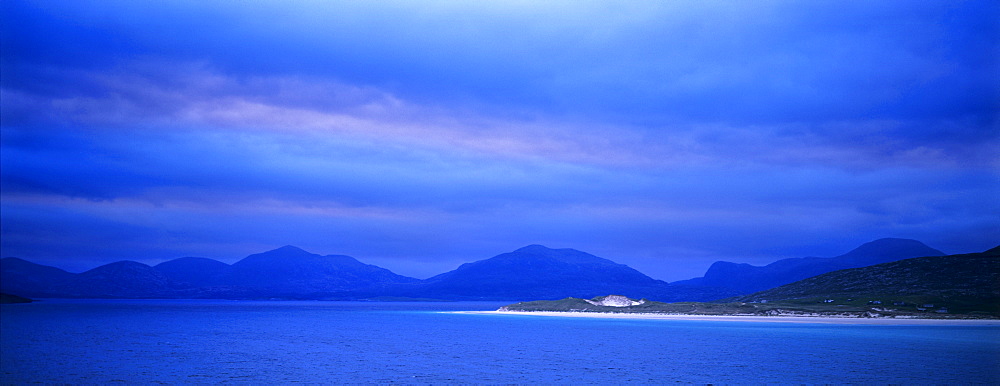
(766, 61)
(422, 135)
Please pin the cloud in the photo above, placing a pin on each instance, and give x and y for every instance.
(176, 97)
(665, 135)
(765, 62)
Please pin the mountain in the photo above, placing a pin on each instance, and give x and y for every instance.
(286, 272)
(538, 272)
(290, 271)
(746, 278)
(195, 271)
(123, 279)
(534, 272)
(963, 283)
(956, 286)
(24, 278)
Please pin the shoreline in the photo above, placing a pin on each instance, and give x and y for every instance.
(750, 318)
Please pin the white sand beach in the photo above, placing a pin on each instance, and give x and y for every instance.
(749, 318)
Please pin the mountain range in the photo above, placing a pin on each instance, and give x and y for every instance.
(953, 286)
(531, 273)
(746, 278)
(539, 272)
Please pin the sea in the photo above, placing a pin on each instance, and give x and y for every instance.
(320, 342)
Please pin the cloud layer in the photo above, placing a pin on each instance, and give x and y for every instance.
(418, 136)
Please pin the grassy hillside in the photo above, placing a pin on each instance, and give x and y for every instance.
(581, 305)
(944, 286)
(962, 284)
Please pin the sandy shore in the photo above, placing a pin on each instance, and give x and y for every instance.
(769, 319)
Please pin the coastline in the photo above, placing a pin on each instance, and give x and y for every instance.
(751, 318)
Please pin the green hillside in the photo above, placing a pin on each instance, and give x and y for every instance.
(961, 284)
(936, 287)
(581, 305)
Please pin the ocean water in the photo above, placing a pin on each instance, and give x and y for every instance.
(249, 342)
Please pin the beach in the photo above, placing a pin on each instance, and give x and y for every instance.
(753, 318)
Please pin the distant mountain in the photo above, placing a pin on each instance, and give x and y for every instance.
(538, 272)
(291, 270)
(960, 282)
(534, 272)
(123, 279)
(746, 278)
(195, 271)
(286, 272)
(955, 286)
(24, 278)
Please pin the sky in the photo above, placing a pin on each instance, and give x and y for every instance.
(420, 135)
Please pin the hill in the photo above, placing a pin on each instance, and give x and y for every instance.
(291, 271)
(123, 279)
(641, 306)
(286, 272)
(746, 278)
(538, 272)
(963, 286)
(25, 278)
(194, 271)
(532, 272)
(959, 283)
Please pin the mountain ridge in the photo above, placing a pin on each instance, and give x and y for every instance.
(294, 270)
(923, 279)
(286, 272)
(197, 271)
(530, 272)
(961, 286)
(538, 271)
(746, 278)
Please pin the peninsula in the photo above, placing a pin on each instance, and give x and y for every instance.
(828, 308)
(949, 287)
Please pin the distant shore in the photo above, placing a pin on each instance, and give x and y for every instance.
(752, 318)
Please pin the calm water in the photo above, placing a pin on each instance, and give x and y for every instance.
(61, 341)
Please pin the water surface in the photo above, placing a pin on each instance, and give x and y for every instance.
(186, 341)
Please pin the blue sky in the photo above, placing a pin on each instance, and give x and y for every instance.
(420, 135)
